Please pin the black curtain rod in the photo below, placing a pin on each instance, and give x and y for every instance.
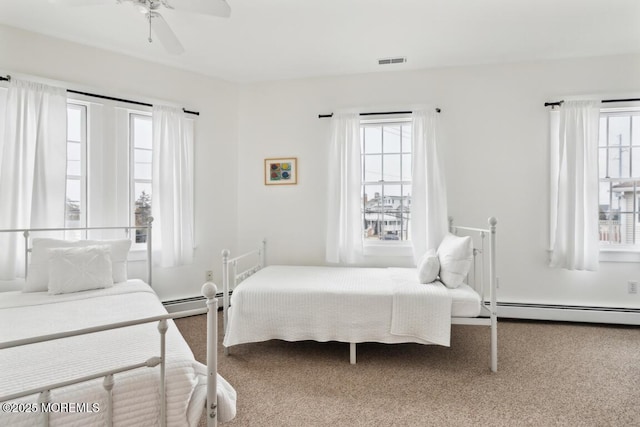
(621, 100)
(605, 101)
(324, 116)
(111, 98)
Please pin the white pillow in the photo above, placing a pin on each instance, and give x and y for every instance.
(428, 267)
(455, 255)
(79, 269)
(38, 276)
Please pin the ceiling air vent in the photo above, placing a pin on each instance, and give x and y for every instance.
(397, 60)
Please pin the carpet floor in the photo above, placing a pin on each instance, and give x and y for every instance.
(549, 374)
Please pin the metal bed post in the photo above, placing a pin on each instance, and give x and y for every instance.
(209, 290)
(26, 253)
(225, 292)
(162, 328)
(234, 276)
(493, 304)
(108, 383)
(261, 253)
(475, 275)
(149, 250)
(482, 277)
(43, 399)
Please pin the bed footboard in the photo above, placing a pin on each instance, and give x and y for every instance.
(233, 272)
(109, 376)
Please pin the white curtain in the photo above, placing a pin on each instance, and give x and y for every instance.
(574, 207)
(344, 221)
(172, 187)
(429, 221)
(33, 156)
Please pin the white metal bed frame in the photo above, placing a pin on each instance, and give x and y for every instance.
(231, 277)
(209, 290)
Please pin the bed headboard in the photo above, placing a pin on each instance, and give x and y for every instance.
(27, 235)
(482, 275)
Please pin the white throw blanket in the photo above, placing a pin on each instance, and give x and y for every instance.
(135, 392)
(421, 310)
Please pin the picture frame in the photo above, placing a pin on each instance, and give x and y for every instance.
(281, 171)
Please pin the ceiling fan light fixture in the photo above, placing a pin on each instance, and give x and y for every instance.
(157, 24)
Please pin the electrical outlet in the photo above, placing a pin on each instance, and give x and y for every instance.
(209, 276)
(632, 287)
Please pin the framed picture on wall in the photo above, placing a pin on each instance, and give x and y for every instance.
(281, 171)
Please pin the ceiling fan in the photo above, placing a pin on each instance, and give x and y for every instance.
(157, 24)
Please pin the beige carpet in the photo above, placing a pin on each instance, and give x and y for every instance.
(549, 374)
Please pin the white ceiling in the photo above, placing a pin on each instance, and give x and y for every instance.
(282, 39)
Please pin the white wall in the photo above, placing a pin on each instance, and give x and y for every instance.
(496, 156)
(98, 71)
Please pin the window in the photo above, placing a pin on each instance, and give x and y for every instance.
(619, 174)
(386, 179)
(141, 142)
(76, 188)
(112, 164)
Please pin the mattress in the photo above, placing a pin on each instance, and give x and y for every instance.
(295, 303)
(136, 393)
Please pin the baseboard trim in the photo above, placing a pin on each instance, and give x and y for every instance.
(185, 304)
(570, 313)
(192, 303)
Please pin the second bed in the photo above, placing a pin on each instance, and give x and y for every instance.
(356, 305)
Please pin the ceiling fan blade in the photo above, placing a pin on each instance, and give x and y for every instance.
(74, 3)
(164, 33)
(208, 7)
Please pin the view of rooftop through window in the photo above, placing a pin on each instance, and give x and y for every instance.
(619, 173)
(386, 179)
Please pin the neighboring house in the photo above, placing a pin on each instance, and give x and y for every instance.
(622, 226)
(387, 218)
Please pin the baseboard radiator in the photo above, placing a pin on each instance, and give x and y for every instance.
(506, 310)
(569, 313)
(190, 303)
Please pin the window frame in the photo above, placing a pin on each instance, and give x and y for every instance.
(132, 115)
(83, 176)
(621, 252)
(382, 247)
(95, 162)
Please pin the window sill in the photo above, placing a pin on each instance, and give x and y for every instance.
(620, 254)
(400, 249)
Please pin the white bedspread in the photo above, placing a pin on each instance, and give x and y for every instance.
(296, 303)
(136, 393)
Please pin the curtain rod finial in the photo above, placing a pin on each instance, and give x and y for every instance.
(553, 104)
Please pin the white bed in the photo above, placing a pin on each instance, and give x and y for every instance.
(135, 398)
(355, 305)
